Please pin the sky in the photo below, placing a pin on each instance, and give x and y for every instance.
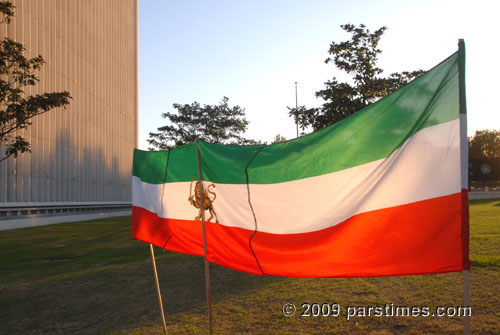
(253, 52)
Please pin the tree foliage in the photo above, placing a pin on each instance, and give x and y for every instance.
(485, 144)
(16, 107)
(278, 139)
(358, 58)
(212, 123)
(303, 116)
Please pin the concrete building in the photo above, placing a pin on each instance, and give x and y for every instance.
(81, 157)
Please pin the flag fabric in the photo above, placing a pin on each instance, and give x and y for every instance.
(383, 192)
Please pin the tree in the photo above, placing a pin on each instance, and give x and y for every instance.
(16, 107)
(212, 123)
(278, 139)
(485, 144)
(303, 117)
(358, 58)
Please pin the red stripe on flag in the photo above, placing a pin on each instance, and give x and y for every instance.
(227, 246)
(421, 237)
(465, 230)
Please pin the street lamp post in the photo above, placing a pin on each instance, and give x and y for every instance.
(296, 110)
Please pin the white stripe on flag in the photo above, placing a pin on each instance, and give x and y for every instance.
(424, 167)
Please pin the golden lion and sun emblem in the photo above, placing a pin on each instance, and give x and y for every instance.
(195, 200)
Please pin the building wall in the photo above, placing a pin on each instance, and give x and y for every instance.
(82, 153)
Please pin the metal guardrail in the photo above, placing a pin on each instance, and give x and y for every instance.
(17, 209)
(484, 195)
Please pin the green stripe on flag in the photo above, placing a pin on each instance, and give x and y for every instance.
(371, 134)
(149, 166)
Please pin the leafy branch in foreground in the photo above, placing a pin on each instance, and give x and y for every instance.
(16, 107)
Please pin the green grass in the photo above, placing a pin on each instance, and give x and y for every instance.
(93, 278)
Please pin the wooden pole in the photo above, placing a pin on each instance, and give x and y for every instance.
(158, 288)
(207, 268)
(467, 326)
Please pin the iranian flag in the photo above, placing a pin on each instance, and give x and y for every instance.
(381, 193)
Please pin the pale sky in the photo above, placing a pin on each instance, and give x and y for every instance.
(254, 51)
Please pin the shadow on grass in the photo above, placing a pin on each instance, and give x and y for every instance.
(485, 202)
(92, 277)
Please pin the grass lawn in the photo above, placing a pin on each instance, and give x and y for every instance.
(93, 278)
